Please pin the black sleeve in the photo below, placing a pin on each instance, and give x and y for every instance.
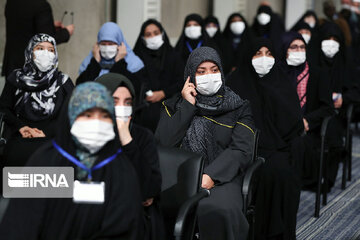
(325, 108)
(235, 158)
(44, 23)
(172, 127)
(91, 72)
(176, 79)
(142, 152)
(7, 103)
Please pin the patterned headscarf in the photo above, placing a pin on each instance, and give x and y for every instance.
(36, 90)
(90, 95)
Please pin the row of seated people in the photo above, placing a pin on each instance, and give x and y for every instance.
(283, 95)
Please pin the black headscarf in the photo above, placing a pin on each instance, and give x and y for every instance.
(272, 30)
(274, 102)
(114, 80)
(335, 66)
(302, 20)
(292, 71)
(155, 58)
(312, 48)
(199, 136)
(217, 38)
(39, 94)
(181, 44)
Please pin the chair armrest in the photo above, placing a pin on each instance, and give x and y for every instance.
(249, 173)
(2, 125)
(349, 112)
(324, 125)
(185, 209)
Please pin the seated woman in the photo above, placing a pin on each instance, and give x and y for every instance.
(313, 92)
(87, 132)
(344, 88)
(276, 110)
(32, 98)
(210, 119)
(139, 146)
(192, 36)
(238, 37)
(162, 73)
(110, 53)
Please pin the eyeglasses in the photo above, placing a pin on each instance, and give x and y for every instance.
(297, 47)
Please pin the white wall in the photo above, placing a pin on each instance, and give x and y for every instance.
(294, 10)
(130, 16)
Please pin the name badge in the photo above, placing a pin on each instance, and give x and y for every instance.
(89, 192)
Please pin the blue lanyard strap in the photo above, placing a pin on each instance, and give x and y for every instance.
(190, 48)
(81, 165)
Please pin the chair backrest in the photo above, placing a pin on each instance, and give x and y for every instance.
(181, 177)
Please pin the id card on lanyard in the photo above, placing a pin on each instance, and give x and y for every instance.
(87, 191)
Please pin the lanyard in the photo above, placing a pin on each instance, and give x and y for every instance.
(190, 48)
(81, 165)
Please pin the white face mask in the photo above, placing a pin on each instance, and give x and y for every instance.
(208, 84)
(211, 31)
(193, 32)
(296, 58)
(44, 60)
(108, 51)
(263, 65)
(330, 48)
(311, 24)
(306, 37)
(154, 43)
(346, 6)
(263, 18)
(123, 112)
(93, 134)
(237, 28)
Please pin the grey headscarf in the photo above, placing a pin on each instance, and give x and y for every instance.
(224, 105)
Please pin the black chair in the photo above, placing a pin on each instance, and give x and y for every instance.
(322, 175)
(182, 172)
(181, 178)
(322, 187)
(2, 137)
(248, 186)
(347, 161)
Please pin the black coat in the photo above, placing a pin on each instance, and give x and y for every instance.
(142, 153)
(24, 19)
(319, 102)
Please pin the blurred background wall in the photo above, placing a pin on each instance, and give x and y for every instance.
(89, 15)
